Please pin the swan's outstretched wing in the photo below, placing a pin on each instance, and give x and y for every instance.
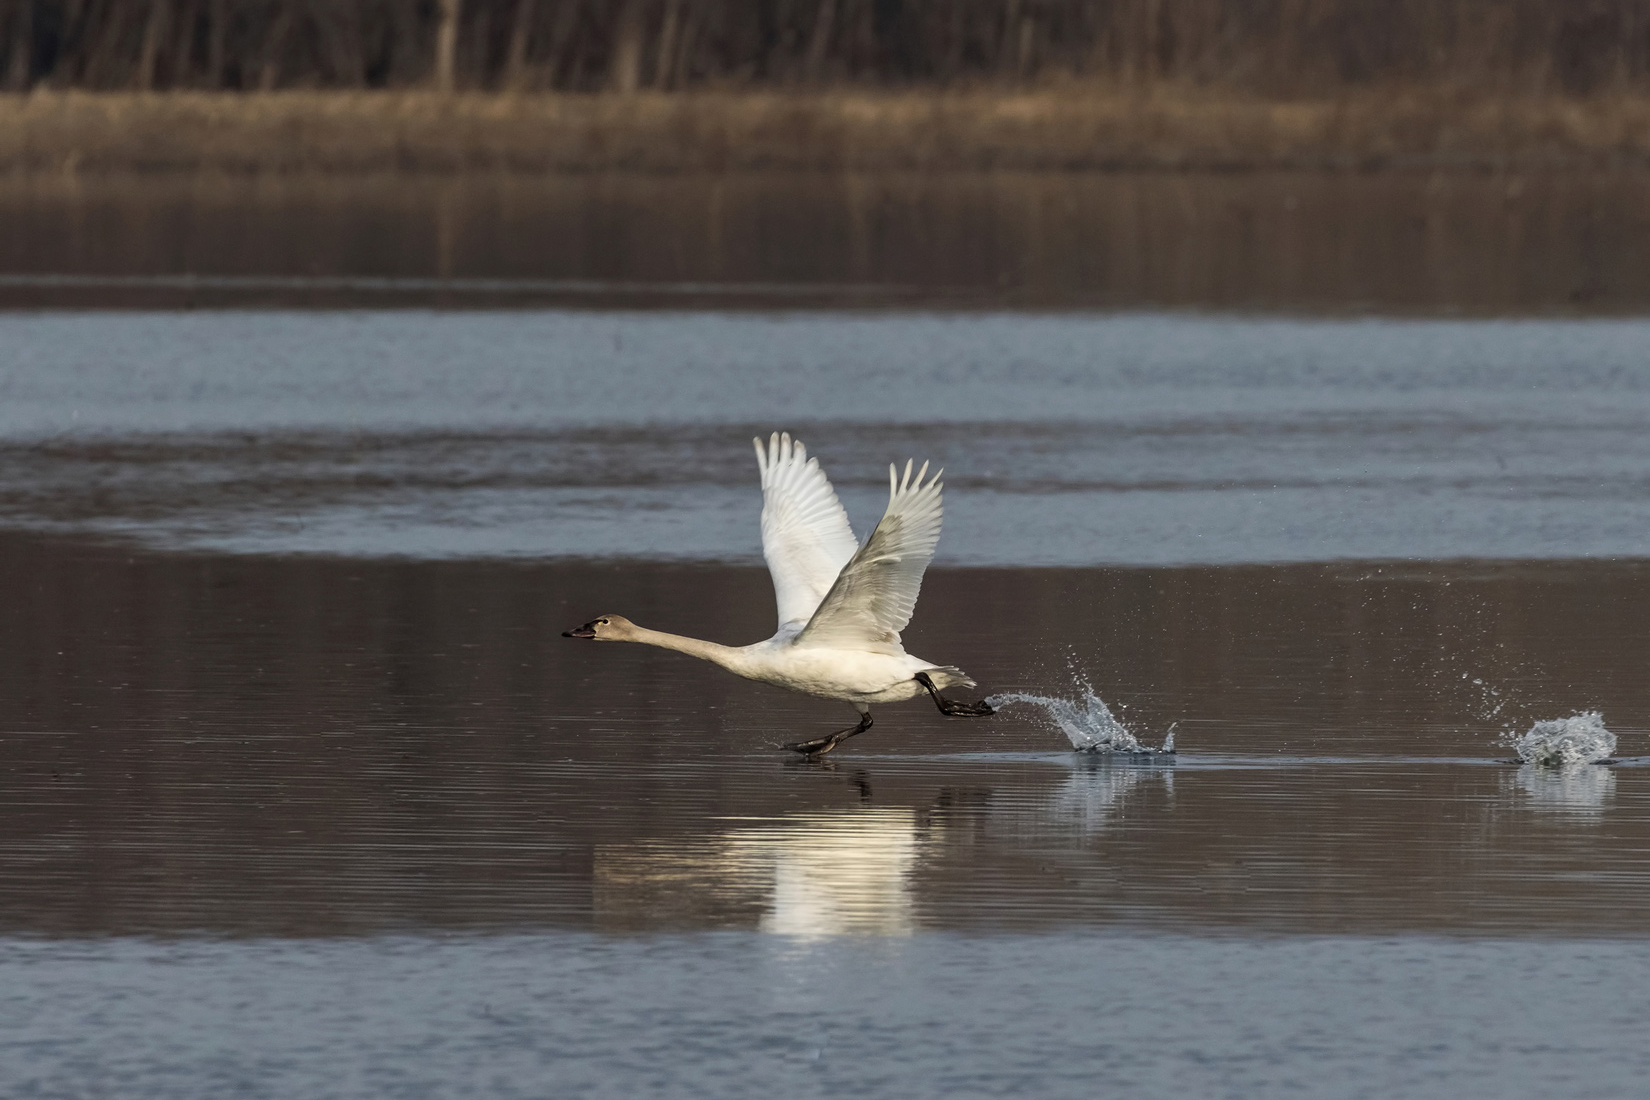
(805, 532)
(873, 598)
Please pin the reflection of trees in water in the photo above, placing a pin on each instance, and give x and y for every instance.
(1583, 788)
(1291, 240)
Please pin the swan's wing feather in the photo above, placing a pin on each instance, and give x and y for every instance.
(873, 597)
(805, 532)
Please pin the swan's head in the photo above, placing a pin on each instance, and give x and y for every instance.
(605, 628)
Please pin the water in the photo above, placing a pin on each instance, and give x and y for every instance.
(304, 794)
(1562, 742)
(1067, 440)
(742, 1014)
(1341, 242)
(1085, 719)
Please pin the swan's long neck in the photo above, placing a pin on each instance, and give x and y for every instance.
(726, 656)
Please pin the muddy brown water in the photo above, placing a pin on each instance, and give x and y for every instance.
(258, 746)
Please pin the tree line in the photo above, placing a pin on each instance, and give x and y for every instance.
(1280, 47)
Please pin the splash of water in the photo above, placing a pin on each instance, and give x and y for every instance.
(1561, 742)
(1489, 703)
(1086, 720)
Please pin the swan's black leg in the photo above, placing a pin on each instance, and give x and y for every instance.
(819, 746)
(952, 706)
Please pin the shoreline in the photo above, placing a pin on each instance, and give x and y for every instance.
(1076, 129)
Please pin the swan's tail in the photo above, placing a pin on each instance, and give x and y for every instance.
(946, 676)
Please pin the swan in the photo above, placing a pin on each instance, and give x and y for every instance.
(841, 605)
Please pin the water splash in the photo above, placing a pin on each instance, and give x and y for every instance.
(1086, 720)
(1562, 742)
(1488, 701)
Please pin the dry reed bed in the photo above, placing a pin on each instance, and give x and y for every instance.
(1059, 129)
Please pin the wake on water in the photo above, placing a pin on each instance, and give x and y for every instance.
(1086, 720)
(1090, 726)
(1561, 742)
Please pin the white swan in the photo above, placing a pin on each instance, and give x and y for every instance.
(841, 605)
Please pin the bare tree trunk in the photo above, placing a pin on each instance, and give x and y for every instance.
(687, 42)
(340, 31)
(446, 45)
(819, 45)
(567, 12)
(1101, 61)
(273, 47)
(1141, 44)
(100, 63)
(956, 39)
(664, 65)
(477, 58)
(1022, 49)
(65, 66)
(1008, 42)
(22, 46)
(216, 40)
(183, 40)
(403, 53)
(521, 30)
(153, 31)
(625, 72)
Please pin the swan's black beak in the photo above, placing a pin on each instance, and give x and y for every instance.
(588, 630)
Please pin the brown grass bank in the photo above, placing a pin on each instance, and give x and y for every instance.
(1065, 128)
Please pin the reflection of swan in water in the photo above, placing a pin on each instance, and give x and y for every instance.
(836, 873)
(832, 872)
(849, 871)
(1583, 789)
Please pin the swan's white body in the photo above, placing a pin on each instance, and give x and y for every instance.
(835, 673)
(841, 605)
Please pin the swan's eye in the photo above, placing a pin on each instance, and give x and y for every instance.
(604, 622)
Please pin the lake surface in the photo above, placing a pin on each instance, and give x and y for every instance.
(304, 794)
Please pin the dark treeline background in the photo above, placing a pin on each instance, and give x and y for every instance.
(1273, 47)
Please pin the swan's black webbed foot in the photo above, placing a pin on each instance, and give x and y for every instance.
(819, 746)
(953, 706)
(816, 748)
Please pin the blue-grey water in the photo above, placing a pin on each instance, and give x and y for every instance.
(1068, 440)
(304, 794)
(743, 1014)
